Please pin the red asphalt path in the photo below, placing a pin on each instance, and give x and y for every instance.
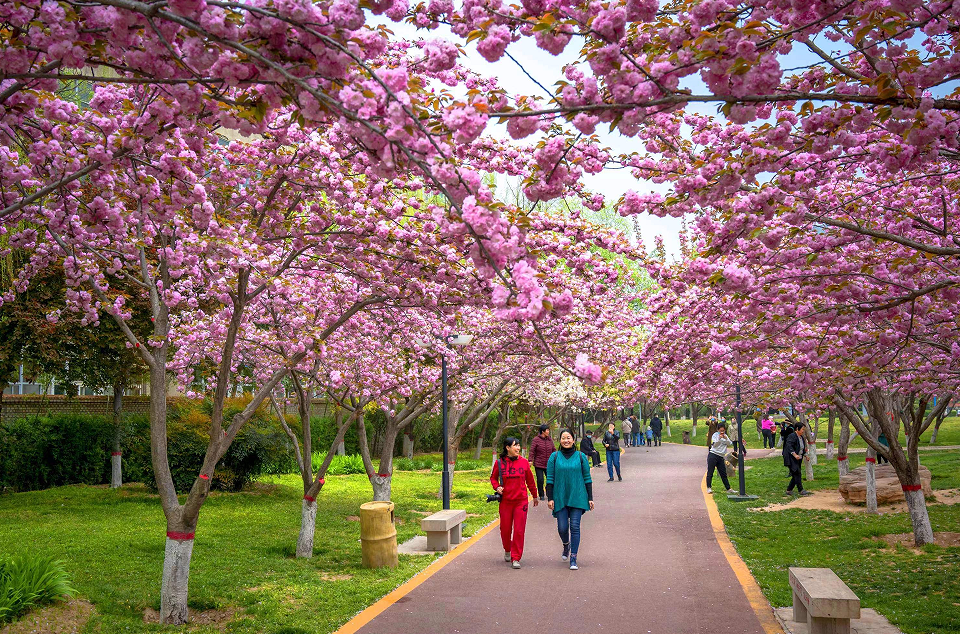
(649, 563)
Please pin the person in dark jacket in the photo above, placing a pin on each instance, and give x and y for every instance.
(611, 441)
(794, 452)
(657, 426)
(636, 433)
(540, 450)
(587, 447)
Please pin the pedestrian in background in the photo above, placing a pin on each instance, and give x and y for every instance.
(627, 428)
(719, 443)
(794, 451)
(540, 450)
(656, 425)
(766, 428)
(587, 447)
(569, 494)
(511, 478)
(636, 431)
(611, 441)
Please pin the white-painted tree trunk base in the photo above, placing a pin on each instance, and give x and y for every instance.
(871, 487)
(919, 518)
(669, 434)
(174, 584)
(843, 467)
(933, 436)
(381, 487)
(408, 446)
(808, 470)
(829, 451)
(116, 471)
(308, 527)
(342, 449)
(813, 458)
(693, 432)
(479, 450)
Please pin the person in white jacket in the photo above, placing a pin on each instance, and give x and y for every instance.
(718, 449)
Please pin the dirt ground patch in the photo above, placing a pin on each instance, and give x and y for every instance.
(831, 501)
(60, 618)
(947, 540)
(329, 576)
(216, 618)
(353, 518)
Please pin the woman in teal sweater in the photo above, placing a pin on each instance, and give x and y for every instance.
(569, 493)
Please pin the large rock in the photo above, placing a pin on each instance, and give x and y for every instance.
(853, 486)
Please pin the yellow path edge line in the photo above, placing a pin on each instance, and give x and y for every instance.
(751, 588)
(376, 609)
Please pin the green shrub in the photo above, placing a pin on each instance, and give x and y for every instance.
(48, 451)
(260, 446)
(340, 465)
(28, 582)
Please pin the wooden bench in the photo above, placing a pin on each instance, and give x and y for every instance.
(823, 601)
(443, 529)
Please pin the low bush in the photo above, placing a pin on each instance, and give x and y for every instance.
(30, 581)
(340, 465)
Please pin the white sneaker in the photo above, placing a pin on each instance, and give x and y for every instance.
(516, 565)
(506, 555)
(731, 491)
(709, 490)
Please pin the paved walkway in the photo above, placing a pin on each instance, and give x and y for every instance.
(649, 563)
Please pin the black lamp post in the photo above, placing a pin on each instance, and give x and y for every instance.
(742, 494)
(456, 340)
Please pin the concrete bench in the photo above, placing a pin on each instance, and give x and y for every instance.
(823, 601)
(443, 529)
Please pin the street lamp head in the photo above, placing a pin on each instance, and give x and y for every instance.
(459, 340)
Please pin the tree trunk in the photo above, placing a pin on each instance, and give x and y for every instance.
(308, 526)
(831, 421)
(815, 431)
(176, 576)
(843, 464)
(408, 446)
(479, 448)
(342, 448)
(116, 456)
(666, 416)
(381, 487)
(871, 481)
(919, 518)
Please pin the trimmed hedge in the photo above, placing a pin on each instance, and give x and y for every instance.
(49, 451)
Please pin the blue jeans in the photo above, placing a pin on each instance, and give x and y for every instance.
(637, 439)
(613, 459)
(568, 525)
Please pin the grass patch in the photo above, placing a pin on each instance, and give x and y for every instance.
(916, 589)
(111, 544)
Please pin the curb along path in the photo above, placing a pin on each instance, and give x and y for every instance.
(650, 562)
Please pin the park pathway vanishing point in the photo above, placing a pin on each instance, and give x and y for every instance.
(649, 564)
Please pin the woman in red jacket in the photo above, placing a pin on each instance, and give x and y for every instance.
(517, 480)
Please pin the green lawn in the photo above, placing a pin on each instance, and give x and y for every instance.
(111, 543)
(916, 591)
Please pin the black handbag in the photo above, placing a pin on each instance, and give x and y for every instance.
(497, 497)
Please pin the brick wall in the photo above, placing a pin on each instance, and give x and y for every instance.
(27, 406)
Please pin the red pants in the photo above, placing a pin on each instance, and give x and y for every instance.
(513, 519)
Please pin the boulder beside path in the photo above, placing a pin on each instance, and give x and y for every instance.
(853, 486)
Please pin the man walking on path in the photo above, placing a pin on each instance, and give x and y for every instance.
(657, 426)
(636, 431)
(626, 429)
(540, 450)
(587, 447)
(794, 450)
